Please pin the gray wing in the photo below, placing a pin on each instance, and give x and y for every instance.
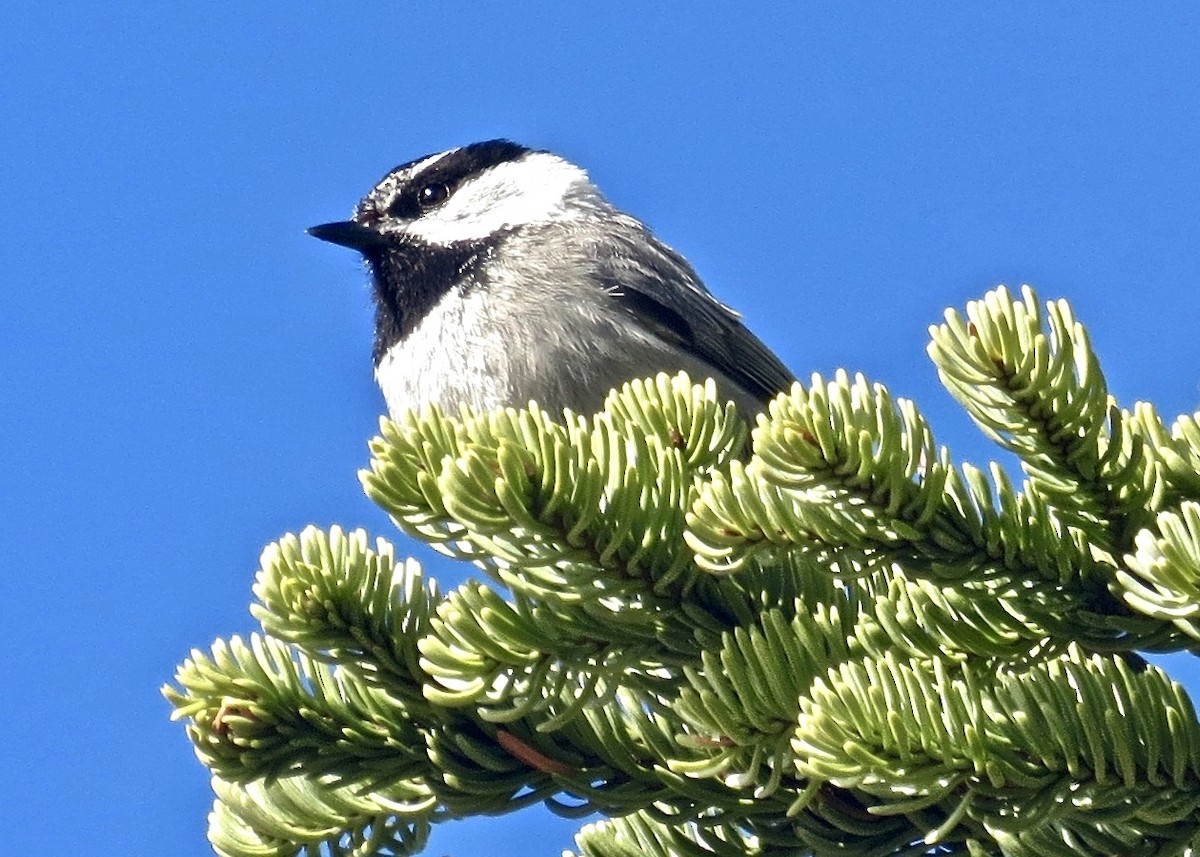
(658, 286)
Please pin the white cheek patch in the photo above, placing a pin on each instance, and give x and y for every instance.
(535, 189)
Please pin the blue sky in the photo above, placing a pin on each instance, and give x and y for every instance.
(185, 376)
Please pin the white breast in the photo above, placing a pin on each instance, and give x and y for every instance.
(453, 357)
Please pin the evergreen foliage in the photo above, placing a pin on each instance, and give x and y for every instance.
(826, 638)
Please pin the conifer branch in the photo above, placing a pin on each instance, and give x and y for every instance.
(821, 636)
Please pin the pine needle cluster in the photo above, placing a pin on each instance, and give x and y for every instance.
(819, 636)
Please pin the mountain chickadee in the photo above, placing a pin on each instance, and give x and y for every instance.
(501, 275)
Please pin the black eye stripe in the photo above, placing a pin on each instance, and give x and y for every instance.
(448, 173)
(404, 205)
(432, 194)
(418, 198)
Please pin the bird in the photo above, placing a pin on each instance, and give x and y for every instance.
(501, 275)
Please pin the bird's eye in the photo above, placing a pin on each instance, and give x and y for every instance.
(432, 195)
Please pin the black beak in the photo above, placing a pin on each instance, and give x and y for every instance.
(350, 234)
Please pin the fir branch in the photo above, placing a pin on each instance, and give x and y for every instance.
(315, 817)
(1163, 576)
(526, 497)
(263, 709)
(639, 836)
(742, 700)
(344, 603)
(912, 733)
(841, 643)
(1034, 386)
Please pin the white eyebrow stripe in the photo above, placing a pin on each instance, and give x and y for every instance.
(429, 162)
